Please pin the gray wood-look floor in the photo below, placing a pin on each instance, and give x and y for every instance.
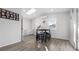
(29, 44)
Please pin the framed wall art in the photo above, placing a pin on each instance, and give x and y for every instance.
(0, 13)
(6, 14)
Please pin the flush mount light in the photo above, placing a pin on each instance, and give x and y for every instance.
(24, 10)
(31, 11)
(43, 17)
(51, 9)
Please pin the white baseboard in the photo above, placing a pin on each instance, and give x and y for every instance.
(10, 44)
(73, 44)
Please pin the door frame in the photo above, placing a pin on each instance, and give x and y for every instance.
(77, 29)
(21, 28)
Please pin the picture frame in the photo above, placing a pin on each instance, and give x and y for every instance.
(0, 9)
(8, 15)
(3, 13)
(0, 14)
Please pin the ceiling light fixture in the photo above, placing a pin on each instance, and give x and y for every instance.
(44, 17)
(31, 11)
(24, 10)
(51, 9)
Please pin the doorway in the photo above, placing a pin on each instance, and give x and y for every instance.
(60, 34)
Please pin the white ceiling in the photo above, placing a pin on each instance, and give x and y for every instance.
(42, 11)
(16, 10)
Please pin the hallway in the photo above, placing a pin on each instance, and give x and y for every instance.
(29, 44)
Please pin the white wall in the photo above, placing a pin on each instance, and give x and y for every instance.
(27, 26)
(10, 30)
(73, 28)
(62, 24)
(78, 28)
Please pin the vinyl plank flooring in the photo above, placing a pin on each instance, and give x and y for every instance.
(29, 44)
